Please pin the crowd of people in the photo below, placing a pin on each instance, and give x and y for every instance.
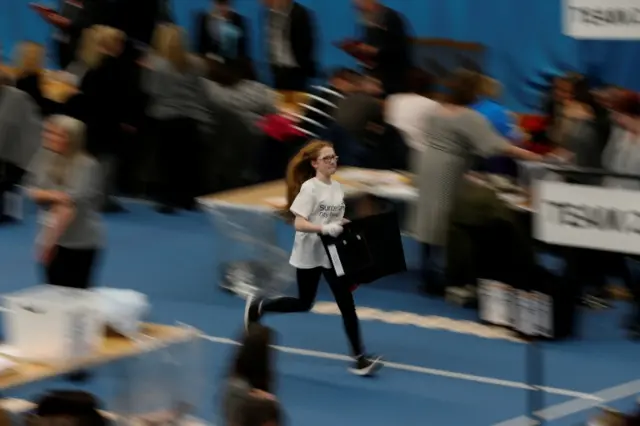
(206, 116)
(212, 105)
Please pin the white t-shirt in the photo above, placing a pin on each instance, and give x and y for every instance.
(410, 113)
(320, 204)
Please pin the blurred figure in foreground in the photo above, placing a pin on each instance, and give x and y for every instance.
(248, 399)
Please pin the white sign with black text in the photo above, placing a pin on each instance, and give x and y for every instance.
(602, 19)
(587, 217)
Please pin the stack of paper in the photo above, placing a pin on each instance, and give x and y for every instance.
(396, 192)
(6, 365)
(277, 202)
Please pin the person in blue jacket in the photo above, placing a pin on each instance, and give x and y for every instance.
(502, 120)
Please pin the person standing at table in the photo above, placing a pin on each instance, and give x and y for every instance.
(65, 182)
(409, 112)
(291, 40)
(222, 32)
(455, 134)
(317, 202)
(172, 80)
(20, 125)
(386, 42)
(503, 121)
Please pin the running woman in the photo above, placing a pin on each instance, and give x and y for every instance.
(317, 203)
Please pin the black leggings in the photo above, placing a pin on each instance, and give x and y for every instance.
(71, 267)
(308, 280)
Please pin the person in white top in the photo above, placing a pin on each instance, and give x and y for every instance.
(317, 203)
(409, 112)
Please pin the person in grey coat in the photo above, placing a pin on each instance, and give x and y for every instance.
(20, 126)
(456, 134)
(66, 184)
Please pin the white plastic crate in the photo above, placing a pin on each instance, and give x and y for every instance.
(51, 324)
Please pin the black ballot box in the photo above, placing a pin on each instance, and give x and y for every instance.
(370, 248)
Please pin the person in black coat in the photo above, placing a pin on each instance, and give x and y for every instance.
(73, 17)
(387, 43)
(29, 77)
(222, 32)
(105, 106)
(291, 38)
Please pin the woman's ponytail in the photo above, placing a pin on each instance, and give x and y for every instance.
(301, 170)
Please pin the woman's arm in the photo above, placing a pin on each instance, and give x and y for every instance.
(303, 206)
(303, 225)
(43, 196)
(487, 142)
(61, 216)
(521, 154)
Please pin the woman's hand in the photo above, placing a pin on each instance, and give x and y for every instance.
(45, 252)
(257, 393)
(45, 197)
(522, 154)
(561, 154)
(332, 229)
(59, 197)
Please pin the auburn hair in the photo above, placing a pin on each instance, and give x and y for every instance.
(300, 168)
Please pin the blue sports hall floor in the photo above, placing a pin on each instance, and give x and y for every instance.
(442, 369)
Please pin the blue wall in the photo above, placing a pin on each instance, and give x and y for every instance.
(524, 37)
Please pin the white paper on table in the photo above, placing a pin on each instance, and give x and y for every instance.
(9, 351)
(351, 190)
(276, 201)
(6, 364)
(371, 177)
(389, 177)
(356, 175)
(397, 192)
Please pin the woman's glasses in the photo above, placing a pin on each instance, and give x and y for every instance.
(329, 159)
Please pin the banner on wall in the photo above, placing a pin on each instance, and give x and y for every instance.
(587, 217)
(602, 19)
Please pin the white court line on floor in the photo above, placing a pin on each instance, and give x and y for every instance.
(422, 370)
(575, 406)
